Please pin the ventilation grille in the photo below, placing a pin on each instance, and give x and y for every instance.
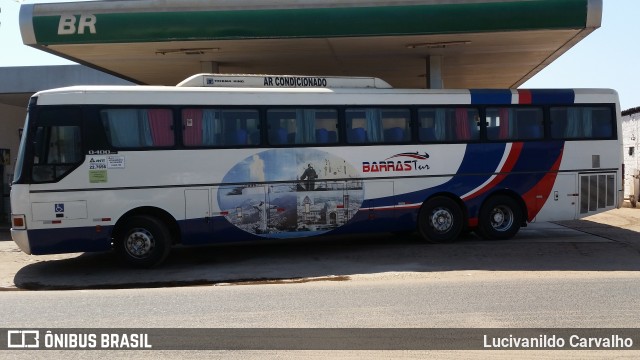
(597, 192)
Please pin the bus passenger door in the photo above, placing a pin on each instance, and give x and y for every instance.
(197, 224)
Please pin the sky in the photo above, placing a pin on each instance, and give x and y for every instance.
(607, 58)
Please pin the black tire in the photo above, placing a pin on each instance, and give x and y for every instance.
(143, 241)
(500, 218)
(440, 220)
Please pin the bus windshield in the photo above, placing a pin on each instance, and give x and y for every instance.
(21, 150)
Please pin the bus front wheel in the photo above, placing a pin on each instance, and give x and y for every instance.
(500, 218)
(440, 220)
(143, 242)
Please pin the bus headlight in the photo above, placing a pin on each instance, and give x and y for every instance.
(18, 222)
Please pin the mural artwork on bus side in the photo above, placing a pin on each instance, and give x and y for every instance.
(291, 192)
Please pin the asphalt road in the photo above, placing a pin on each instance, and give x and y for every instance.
(394, 300)
(465, 299)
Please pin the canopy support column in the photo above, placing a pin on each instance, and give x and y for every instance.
(434, 72)
(210, 67)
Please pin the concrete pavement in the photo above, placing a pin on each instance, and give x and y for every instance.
(603, 242)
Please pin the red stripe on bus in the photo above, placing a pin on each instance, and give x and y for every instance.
(524, 96)
(512, 158)
(538, 195)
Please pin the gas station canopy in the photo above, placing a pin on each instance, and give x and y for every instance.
(408, 43)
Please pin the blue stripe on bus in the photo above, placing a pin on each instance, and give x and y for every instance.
(538, 156)
(68, 240)
(490, 97)
(481, 158)
(553, 96)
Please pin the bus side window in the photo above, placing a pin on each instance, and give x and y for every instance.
(427, 123)
(558, 122)
(467, 127)
(581, 122)
(138, 128)
(378, 125)
(395, 125)
(602, 123)
(220, 127)
(356, 126)
(527, 123)
(448, 124)
(281, 126)
(515, 123)
(240, 127)
(326, 126)
(302, 126)
(498, 121)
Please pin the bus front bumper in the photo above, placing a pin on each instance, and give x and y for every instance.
(21, 238)
(63, 241)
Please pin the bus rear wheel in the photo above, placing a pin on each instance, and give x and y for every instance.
(500, 218)
(440, 220)
(143, 242)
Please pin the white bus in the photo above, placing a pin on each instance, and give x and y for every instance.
(221, 159)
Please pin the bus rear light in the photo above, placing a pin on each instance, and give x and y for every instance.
(18, 222)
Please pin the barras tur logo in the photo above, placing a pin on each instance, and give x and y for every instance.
(398, 163)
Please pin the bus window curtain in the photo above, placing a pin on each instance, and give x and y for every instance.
(123, 127)
(305, 126)
(572, 129)
(462, 124)
(309, 129)
(587, 122)
(579, 123)
(440, 126)
(374, 125)
(300, 134)
(145, 129)
(192, 127)
(210, 126)
(160, 124)
(504, 123)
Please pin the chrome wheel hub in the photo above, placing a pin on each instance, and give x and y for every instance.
(501, 218)
(139, 243)
(441, 220)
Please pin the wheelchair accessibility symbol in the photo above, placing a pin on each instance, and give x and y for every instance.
(59, 208)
